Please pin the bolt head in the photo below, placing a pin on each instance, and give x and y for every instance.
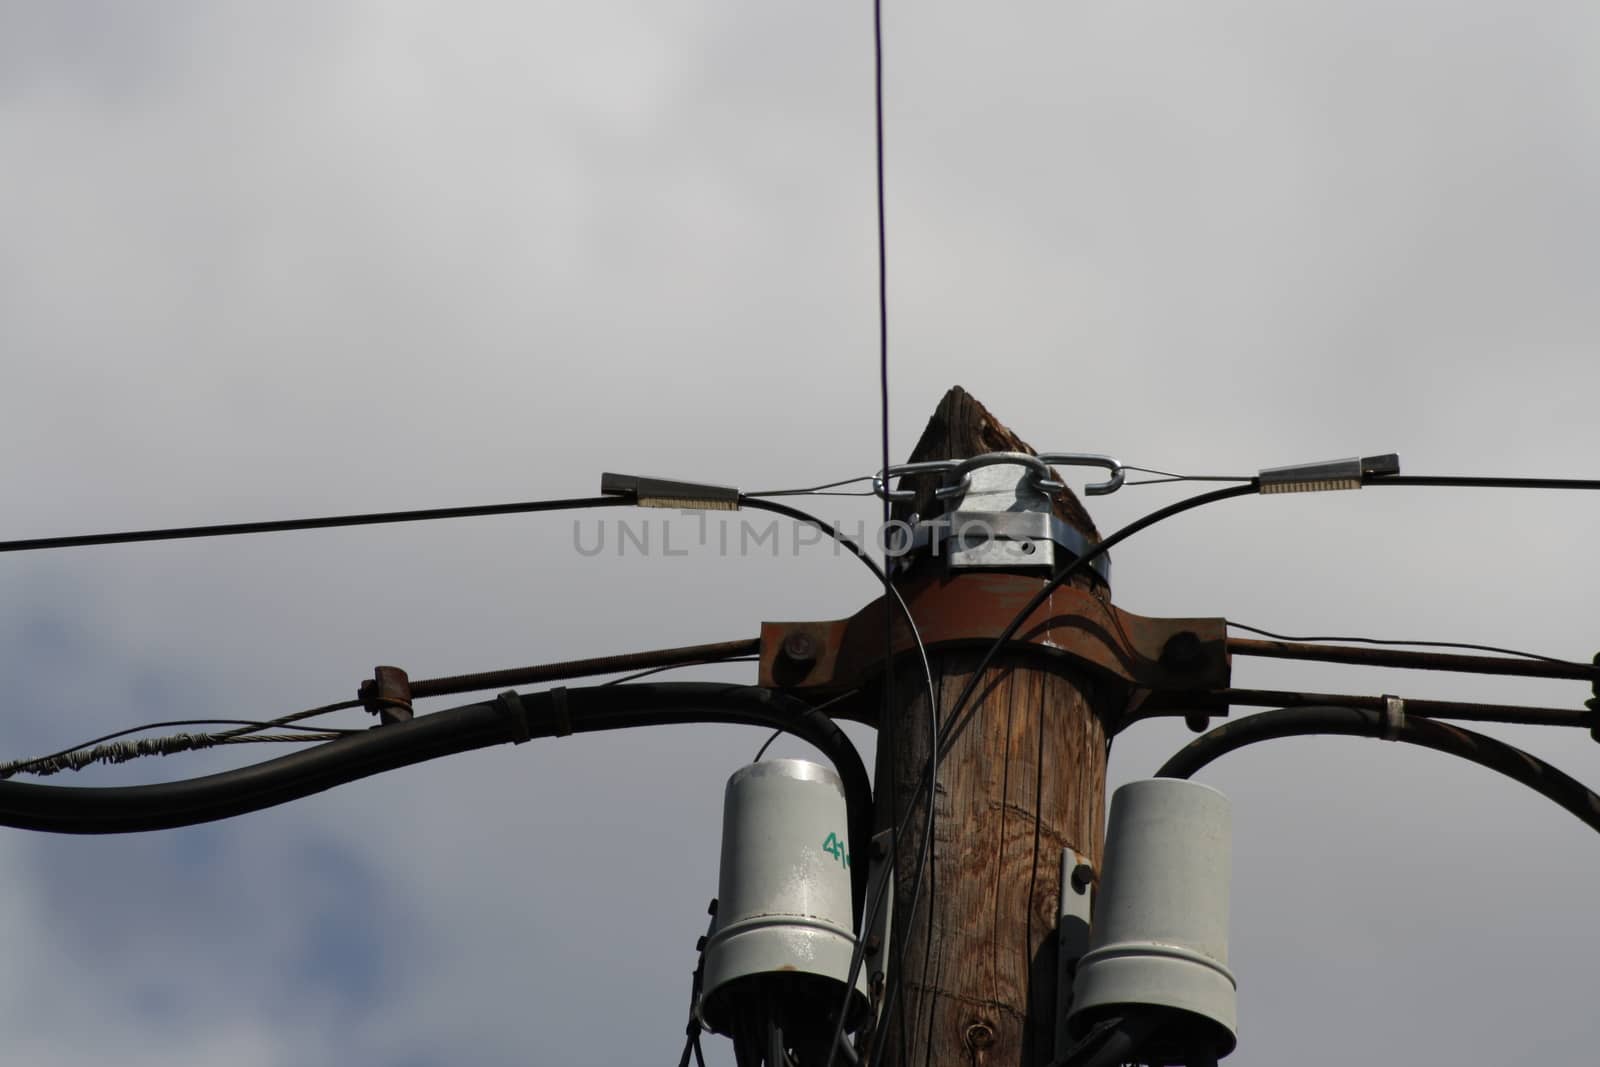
(1082, 877)
(799, 647)
(1183, 651)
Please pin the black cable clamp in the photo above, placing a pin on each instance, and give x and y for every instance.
(558, 708)
(510, 704)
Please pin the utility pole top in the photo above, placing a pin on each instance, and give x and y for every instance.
(961, 427)
(974, 954)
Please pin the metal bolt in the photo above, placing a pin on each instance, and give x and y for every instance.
(799, 647)
(874, 943)
(979, 1035)
(1082, 877)
(1183, 651)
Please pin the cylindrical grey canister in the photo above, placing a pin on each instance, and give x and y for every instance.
(783, 922)
(1159, 939)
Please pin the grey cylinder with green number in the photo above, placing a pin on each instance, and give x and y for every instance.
(783, 922)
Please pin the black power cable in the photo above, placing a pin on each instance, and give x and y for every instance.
(1068, 572)
(1485, 751)
(886, 737)
(1248, 487)
(131, 809)
(1539, 656)
(886, 721)
(376, 518)
(1473, 481)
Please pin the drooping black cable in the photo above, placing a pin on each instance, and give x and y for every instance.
(1077, 566)
(1485, 751)
(893, 594)
(129, 809)
(326, 522)
(1416, 644)
(762, 751)
(250, 729)
(824, 706)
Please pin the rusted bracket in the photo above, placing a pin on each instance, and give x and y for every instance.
(1151, 657)
(387, 694)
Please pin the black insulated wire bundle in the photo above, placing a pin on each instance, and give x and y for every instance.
(1485, 751)
(508, 719)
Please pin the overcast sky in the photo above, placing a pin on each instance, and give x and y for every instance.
(265, 260)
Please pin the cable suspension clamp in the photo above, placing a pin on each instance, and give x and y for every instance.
(1333, 474)
(664, 493)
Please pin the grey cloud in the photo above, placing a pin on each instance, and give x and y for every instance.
(310, 258)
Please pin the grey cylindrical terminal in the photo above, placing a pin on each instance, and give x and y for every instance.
(1159, 941)
(783, 923)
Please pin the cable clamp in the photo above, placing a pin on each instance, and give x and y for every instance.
(563, 714)
(387, 694)
(1394, 717)
(511, 706)
(1332, 474)
(664, 493)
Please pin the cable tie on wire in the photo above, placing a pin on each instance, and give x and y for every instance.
(511, 706)
(664, 493)
(1394, 717)
(563, 714)
(1329, 475)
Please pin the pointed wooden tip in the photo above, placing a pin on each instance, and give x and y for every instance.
(962, 427)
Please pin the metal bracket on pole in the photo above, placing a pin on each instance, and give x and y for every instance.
(1072, 934)
(1168, 666)
(998, 515)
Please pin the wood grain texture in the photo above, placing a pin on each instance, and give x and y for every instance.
(1025, 777)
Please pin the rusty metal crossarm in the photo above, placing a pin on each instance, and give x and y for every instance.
(972, 609)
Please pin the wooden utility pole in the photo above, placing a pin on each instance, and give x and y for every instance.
(1025, 777)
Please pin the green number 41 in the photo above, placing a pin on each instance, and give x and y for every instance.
(835, 848)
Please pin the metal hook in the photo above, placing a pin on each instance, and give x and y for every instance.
(1039, 473)
(880, 481)
(1090, 459)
